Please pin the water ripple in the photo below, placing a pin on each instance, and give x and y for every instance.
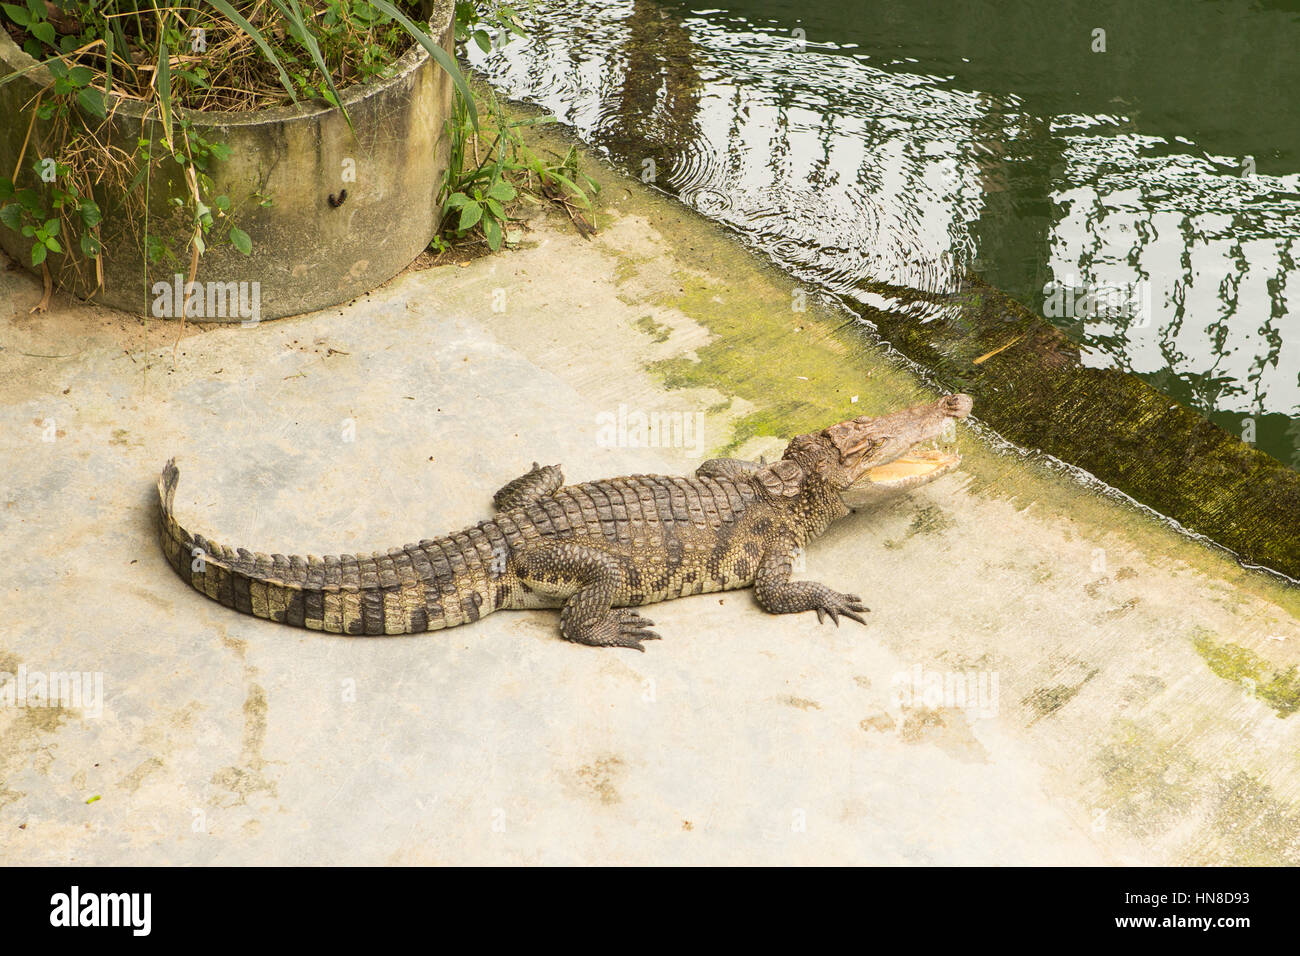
(860, 174)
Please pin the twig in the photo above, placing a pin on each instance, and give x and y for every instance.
(44, 304)
(23, 152)
(1002, 348)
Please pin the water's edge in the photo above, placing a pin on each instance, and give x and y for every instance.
(1032, 390)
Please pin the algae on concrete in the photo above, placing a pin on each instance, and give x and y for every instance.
(1280, 689)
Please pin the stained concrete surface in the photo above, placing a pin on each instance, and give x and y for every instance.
(1135, 682)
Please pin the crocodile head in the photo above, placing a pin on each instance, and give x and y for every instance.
(868, 458)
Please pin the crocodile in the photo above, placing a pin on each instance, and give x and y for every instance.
(600, 549)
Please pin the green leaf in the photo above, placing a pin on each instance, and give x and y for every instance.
(90, 213)
(108, 61)
(220, 151)
(494, 207)
(38, 254)
(51, 227)
(483, 40)
(89, 245)
(53, 244)
(138, 178)
(81, 75)
(492, 229)
(578, 194)
(194, 78)
(11, 215)
(164, 89)
(221, 202)
(502, 191)
(44, 32)
(240, 240)
(470, 215)
(17, 14)
(455, 201)
(92, 101)
(439, 55)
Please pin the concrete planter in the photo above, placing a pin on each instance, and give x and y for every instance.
(309, 250)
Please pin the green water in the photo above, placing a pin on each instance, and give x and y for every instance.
(1139, 187)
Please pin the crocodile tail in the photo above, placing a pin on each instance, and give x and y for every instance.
(407, 590)
(175, 539)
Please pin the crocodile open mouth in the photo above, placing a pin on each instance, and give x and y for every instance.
(916, 464)
(899, 451)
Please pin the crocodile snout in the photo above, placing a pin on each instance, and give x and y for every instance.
(957, 405)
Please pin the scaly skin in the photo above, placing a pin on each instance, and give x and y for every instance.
(594, 550)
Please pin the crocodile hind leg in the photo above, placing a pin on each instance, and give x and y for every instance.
(537, 483)
(592, 581)
(777, 594)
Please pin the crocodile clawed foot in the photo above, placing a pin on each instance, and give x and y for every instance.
(613, 628)
(633, 629)
(835, 604)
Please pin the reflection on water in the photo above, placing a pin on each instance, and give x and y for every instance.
(872, 158)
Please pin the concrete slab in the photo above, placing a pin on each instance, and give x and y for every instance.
(1133, 688)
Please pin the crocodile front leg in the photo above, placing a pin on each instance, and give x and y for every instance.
(593, 581)
(537, 483)
(777, 594)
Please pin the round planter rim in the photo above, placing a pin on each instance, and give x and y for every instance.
(16, 59)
